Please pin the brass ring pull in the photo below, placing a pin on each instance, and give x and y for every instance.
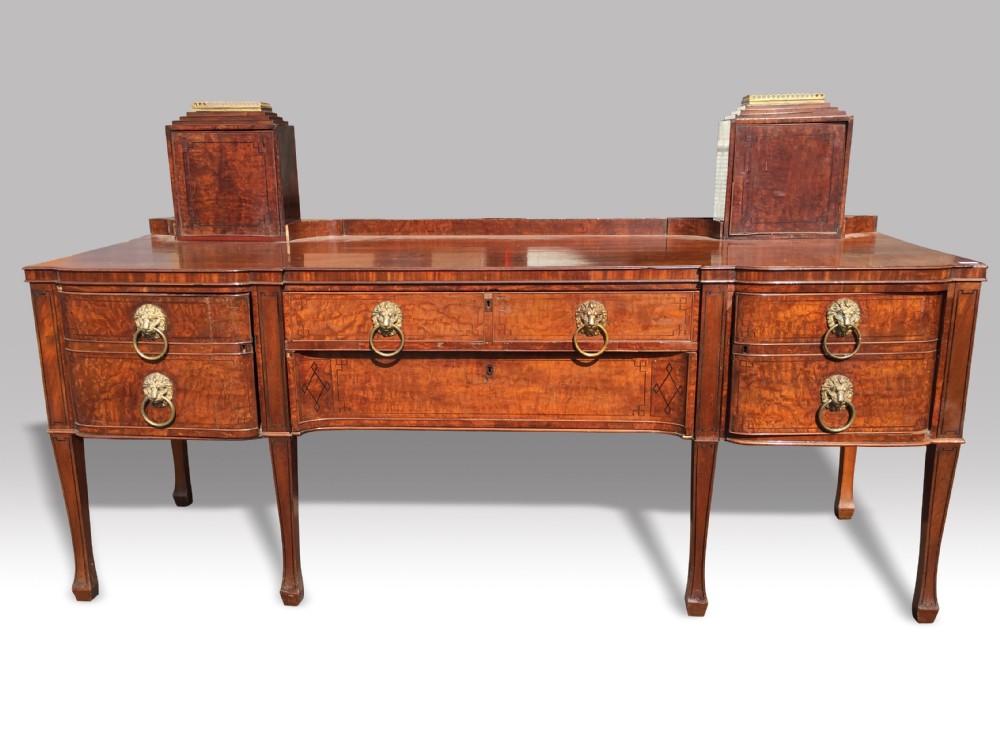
(598, 328)
(150, 323)
(842, 318)
(857, 343)
(158, 390)
(850, 418)
(393, 330)
(387, 320)
(591, 319)
(836, 394)
(154, 357)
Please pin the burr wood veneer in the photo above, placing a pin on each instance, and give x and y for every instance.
(862, 340)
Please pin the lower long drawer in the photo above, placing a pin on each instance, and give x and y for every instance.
(493, 392)
(781, 395)
(213, 396)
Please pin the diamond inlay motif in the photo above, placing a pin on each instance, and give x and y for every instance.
(315, 387)
(668, 388)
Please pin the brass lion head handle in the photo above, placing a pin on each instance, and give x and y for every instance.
(158, 391)
(387, 319)
(836, 394)
(842, 318)
(150, 323)
(591, 320)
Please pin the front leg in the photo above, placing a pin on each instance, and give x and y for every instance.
(843, 505)
(939, 474)
(182, 473)
(285, 462)
(702, 475)
(72, 468)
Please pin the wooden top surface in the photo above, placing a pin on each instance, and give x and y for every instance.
(516, 255)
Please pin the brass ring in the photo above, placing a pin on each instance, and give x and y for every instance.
(155, 357)
(395, 329)
(591, 355)
(826, 405)
(831, 355)
(173, 412)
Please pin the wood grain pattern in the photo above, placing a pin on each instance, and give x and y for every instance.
(779, 396)
(801, 318)
(329, 320)
(787, 172)
(285, 463)
(213, 396)
(711, 339)
(233, 174)
(190, 317)
(73, 477)
(495, 392)
(843, 504)
(939, 475)
(637, 320)
(703, 453)
(183, 494)
(787, 178)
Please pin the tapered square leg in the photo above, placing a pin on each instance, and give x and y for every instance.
(284, 461)
(73, 476)
(843, 505)
(702, 476)
(182, 473)
(939, 474)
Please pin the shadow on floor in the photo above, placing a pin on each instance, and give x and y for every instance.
(634, 474)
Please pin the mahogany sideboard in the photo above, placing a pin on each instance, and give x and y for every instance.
(654, 325)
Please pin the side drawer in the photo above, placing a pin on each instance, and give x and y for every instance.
(781, 395)
(213, 396)
(802, 318)
(493, 392)
(343, 320)
(667, 320)
(194, 318)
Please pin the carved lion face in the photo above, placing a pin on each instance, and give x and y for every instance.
(158, 388)
(843, 315)
(386, 316)
(589, 315)
(150, 320)
(837, 390)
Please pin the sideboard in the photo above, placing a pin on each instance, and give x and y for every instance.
(655, 325)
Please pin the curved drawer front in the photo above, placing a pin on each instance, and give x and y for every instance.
(195, 318)
(493, 392)
(802, 318)
(343, 320)
(212, 396)
(781, 395)
(666, 320)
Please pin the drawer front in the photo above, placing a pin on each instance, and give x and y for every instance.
(191, 318)
(780, 396)
(802, 318)
(316, 320)
(493, 392)
(212, 396)
(633, 319)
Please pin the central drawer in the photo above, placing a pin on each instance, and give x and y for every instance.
(636, 320)
(343, 320)
(512, 321)
(522, 391)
